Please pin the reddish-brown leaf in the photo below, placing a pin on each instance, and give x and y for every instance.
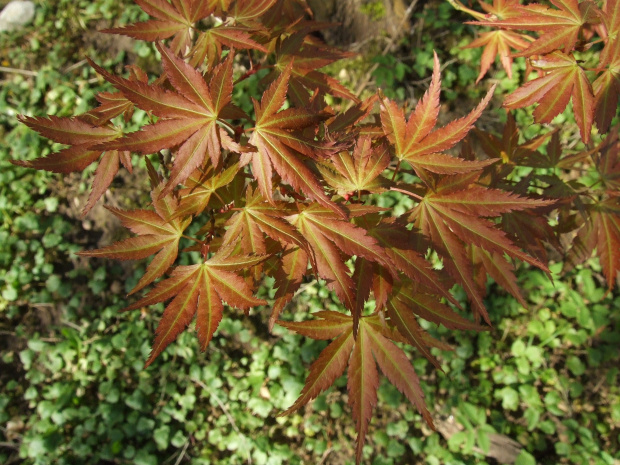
(564, 78)
(156, 233)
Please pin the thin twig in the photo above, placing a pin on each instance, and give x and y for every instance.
(75, 66)
(403, 191)
(325, 455)
(9, 445)
(25, 72)
(182, 454)
(224, 409)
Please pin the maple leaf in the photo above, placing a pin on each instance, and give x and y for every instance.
(372, 347)
(201, 186)
(249, 12)
(455, 214)
(189, 116)
(560, 27)
(607, 86)
(608, 162)
(156, 233)
(600, 232)
(359, 172)
(83, 134)
(304, 59)
(255, 218)
(288, 279)
(563, 79)
(199, 290)
(407, 302)
(498, 43)
(328, 237)
(412, 141)
(209, 43)
(278, 145)
(175, 19)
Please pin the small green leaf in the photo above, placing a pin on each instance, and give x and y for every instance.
(525, 458)
(575, 365)
(509, 397)
(483, 441)
(518, 348)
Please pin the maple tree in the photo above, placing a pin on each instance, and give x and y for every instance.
(291, 191)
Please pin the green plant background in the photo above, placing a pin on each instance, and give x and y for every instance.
(72, 385)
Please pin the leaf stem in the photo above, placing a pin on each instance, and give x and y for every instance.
(403, 191)
(459, 6)
(191, 239)
(396, 169)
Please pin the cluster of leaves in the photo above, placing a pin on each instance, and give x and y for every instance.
(291, 192)
(563, 30)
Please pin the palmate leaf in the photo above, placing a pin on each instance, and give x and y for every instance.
(372, 347)
(305, 59)
(82, 133)
(279, 142)
(560, 27)
(508, 148)
(359, 172)
(329, 237)
(563, 79)
(209, 43)
(174, 19)
(156, 233)
(455, 214)
(199, 290)
(600, 232)
(607, 86)
(412, 141)
(498, 43)
(188, 116)
(256, 218)
(201, 188)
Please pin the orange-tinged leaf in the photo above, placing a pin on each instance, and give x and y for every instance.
(396, 367)
(156, 233)
(360, 171)
(328, 367)
(199, 290)
(74, 158)
(278, 147)
(70, 131)
(104, 174)
(413, 141)
(560, 27)
(288, 279)
(498, 43)
(564, 79)
(362, 384)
